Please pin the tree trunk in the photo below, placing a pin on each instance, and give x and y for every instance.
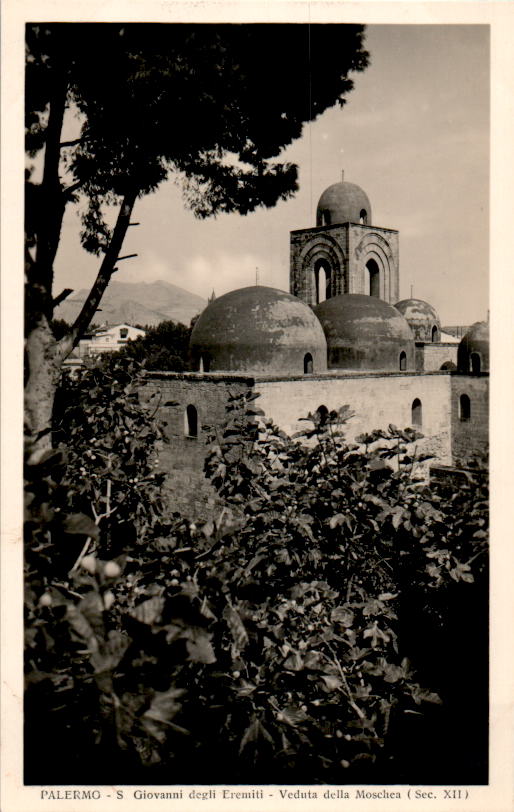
(44, 357)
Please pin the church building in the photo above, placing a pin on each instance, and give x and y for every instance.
(340, 337)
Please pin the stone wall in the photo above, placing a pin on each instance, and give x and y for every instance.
(470, 437)
(182, 456)
(431, 357)
(376, 399)
(345, 249)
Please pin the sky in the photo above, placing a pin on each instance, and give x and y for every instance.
(414, 134)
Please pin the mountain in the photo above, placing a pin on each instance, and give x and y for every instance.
(137, 303)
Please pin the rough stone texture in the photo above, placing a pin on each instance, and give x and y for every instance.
(182, 457)
(344, 250)
(376, 399)
(365, 333)
(431, 357)
(470, 438)
(475, 342)
(343, 202)
(422, 319)
(258, 329)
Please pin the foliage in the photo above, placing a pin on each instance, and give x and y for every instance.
(194, 101)
(164, 347)
(268, 644)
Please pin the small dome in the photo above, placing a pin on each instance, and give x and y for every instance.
(422, 318)
(473, 350)
(343, 203)
(258, 330)
(364, 332)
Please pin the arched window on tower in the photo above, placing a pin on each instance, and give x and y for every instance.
(464, 408)
(191, 421)
(323, 279)
(372, 279)
(417, 413)
(403, 361)
(307, 364)
(476, 363)
(434, 333)
(363, 217)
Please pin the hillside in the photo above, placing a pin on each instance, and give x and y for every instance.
(145, 303)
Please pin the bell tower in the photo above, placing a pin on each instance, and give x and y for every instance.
(344, 253)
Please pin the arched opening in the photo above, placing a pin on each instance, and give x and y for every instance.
(323, 278)
(372, 279)
(191, 421)
(205, 363)
(307, 364)
(417, 413)
(363, 217)
(403, 361)
(448, 365)
(476, 363)
(434, 333)
(464, 408)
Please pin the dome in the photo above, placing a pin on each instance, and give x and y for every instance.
(364, 332)
(473, 351)
(343, 203)
(258, 329)
(422, 319)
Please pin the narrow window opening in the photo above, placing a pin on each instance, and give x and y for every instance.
(475, 363)
(307, 364)
(403, 361)
(205, 363)
(417, 413)
(323, 279)
(123, 332)
(434, 333)
(191, 421)
(363, 217)
(325, 217)
(372, 279)
(464, 408)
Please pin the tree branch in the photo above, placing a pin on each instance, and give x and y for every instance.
(62, 296)
(70, 143)
(104, 274)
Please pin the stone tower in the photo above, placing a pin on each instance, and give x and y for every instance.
(344, 253)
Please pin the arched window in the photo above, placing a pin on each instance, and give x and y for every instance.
(307, 364)
(434, 333)
(464, 408)
(417, 413)
(191, 422)
(403, 361)
(373, 279)
(325, 217)
(205, 363)
(448, 365)
(363, 217)
(475, 363)
(322, 278)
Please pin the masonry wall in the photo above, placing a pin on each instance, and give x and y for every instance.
(346, 248)
(470, 438)
(181, 456)
(377, 400)
(431, 357)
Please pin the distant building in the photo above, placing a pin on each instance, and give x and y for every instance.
(107, 339)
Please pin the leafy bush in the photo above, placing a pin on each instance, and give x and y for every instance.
(271, 644)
